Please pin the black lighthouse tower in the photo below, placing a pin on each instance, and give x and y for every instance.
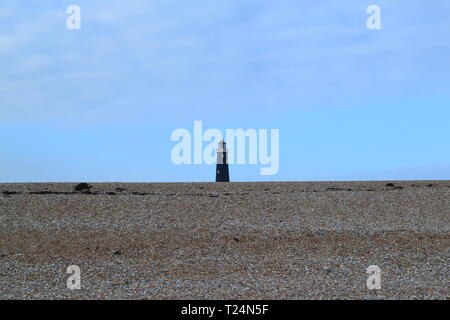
(222, 174)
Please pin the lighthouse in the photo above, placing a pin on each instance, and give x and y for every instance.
(222, 174)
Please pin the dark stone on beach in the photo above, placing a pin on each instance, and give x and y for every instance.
(389, 185)
(83, 187)
(333, 189)
(117, 252)
(7, 193)
(139, 193)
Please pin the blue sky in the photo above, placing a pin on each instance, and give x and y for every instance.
(100, 103)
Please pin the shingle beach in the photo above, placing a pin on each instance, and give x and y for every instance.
(293, 240)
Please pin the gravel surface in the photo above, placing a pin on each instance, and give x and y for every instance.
(299, 240)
